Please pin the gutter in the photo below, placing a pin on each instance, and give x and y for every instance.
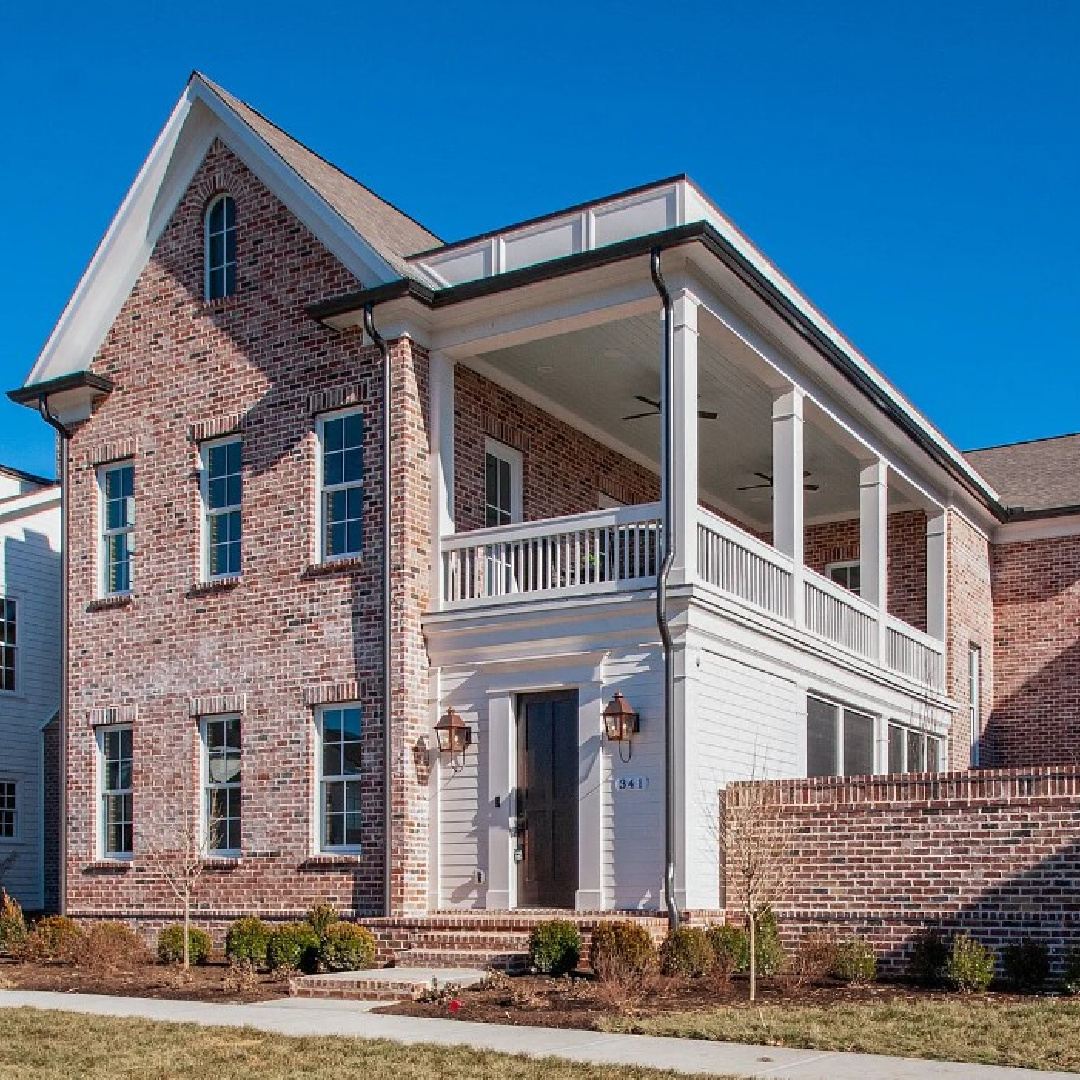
(387, 698)
(65, 441)
(662, 621)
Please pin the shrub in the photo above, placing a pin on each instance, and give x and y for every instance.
(321, 917)
(55, 937)
(346, 947)
(855, 962)
(170, 945)
(812, 960)
(293, 947)
(110, 946)
(246, 941)
(1070, 976)
(621, 950)
(731, 946)
(687, 951)
(769, 948)
(929, 958)
(13, 930)
(970, 967)
(554, 947)
(1026, 964)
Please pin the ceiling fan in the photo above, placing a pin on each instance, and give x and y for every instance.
(703, 414)
(768, 483)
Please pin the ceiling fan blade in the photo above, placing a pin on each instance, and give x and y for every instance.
(707, 414)
(811, 487)
(647, 401)
(753, 487)
(640, 415)
(765, 476)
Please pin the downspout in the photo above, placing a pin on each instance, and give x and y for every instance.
(666, 381)
(387, 700)
(61, 811)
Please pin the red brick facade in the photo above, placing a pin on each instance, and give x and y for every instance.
(992, 852)
(1036, 710)
(290, 631)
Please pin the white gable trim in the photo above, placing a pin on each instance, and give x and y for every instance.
(199, 117)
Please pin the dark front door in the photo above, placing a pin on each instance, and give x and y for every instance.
(547, 806)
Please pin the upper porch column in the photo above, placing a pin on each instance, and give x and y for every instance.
(441, 389)
(787, 433)
(684, 414)
(873, 543)
(936, 574)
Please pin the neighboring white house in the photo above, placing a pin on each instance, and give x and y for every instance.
(29, 672)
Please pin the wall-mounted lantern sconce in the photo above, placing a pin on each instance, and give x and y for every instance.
(621, 724)
(454, 737)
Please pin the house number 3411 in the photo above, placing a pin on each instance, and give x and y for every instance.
(631, 783)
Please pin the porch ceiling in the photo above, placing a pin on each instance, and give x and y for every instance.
(594, 374)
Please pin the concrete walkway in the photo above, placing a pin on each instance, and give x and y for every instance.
(298, 1016)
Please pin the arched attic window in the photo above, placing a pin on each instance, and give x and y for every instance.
(220, 247)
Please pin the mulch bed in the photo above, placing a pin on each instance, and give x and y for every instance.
(209, 982)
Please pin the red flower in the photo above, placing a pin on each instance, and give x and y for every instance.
(454, 1006)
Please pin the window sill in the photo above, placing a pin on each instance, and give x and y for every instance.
(330, 862)
(108, 866)
(220, 303)
(215, 585)
(104, 603)
(345, 564)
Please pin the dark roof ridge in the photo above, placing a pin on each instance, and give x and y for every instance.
(1023, 442)
(29, 477)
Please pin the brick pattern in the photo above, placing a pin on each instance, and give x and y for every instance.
(51, 782)
(178, 361)
(988, 851)
(1036, 711)
(970, 614)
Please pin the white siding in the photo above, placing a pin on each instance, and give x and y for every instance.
(29, 574)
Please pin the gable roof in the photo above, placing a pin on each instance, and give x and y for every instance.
(26, 477)
(392, 233)
(1041, 475)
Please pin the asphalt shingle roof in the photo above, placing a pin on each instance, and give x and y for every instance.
(1040, 475)
(391, 233)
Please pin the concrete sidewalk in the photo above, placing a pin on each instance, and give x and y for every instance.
(298, 1016)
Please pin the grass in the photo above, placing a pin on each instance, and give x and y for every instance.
(42, 1045)
(1038, 1034)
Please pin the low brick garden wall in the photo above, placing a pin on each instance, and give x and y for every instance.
(993, 852)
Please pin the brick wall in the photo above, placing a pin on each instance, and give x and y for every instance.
(291, 631)
(994, 852)
(1036, 710)
(50, 796)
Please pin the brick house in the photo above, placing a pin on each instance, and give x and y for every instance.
(332, 484)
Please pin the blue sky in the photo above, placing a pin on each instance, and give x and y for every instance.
(914, 168)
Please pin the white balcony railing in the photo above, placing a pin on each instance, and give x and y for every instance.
(600, 551)
(737, 563)
(839, 616)
(914, 654)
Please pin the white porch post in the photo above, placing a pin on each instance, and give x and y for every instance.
(441, 391)
(936, 575)
(873, 543)
(787, 468)
(501, 749)
(684, 412)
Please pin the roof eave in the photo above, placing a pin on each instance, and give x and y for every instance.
(34, 393)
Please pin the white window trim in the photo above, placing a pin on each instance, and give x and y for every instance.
(102, 824)
(15, 836)
(102, 545)
(206, 248)
(845, 564)
(320, 490)
(321, 844)
(975, 701)
(207, 513)
(204, 786)
(515, 460)
(927, 735)
(16, 692)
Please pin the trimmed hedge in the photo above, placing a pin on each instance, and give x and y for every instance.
(293, 947)
(970, 967)
(687, 951)
(170, 945)
(246, 941)
(554, 947)
(620, 949)
(345, 946)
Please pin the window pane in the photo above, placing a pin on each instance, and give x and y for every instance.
(217, 216)
(354, 465)
(916, 752)
(333, 434)
(229, 204)
(351, 758)
(354, 430)
(821, 744)
(933, 754)
(858, 744)
(896, 749)
(353, 832)
(333, 468)
(350, 723)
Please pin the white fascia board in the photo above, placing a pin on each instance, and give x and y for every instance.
(1047, 528)
(30, 505)
(199, 116)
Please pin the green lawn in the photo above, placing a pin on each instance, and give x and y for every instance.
(1037, 1034)
(41, 1045)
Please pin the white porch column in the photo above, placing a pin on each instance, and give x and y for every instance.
(501, 769)
(873, 543)
(684, 412)
(591, 890)
(441, 391)
(936, 575)
(787, 468)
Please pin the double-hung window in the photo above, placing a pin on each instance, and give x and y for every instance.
(913, 751)
(118, 527)
(502, 506)
(221, 506)
(340, 746)
(221, 248)
(117, 817)
(839, 741)
(848, 574)
(8, 811)
(221, 785)
(8, 644)
(341, 445)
